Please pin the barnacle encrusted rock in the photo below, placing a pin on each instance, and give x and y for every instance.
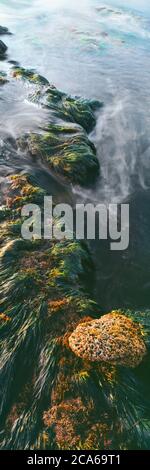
(113, 338)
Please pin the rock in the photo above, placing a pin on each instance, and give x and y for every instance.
(3, 48)
(4, 30)
(3, 78)
(113, 338)
(30, 75)
(75, 110)
(63, 144)
(66, 150)
(13, 62)
(3, 81)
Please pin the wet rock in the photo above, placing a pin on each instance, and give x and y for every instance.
(13, 62)
(4, 30)
(3, 79)
(113, 338)
(3, 48)
(30, 75)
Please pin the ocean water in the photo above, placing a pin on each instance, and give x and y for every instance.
(99, 50)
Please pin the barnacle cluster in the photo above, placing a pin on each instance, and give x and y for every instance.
(113, 338)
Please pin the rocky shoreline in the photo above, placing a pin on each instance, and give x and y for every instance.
(51, 396)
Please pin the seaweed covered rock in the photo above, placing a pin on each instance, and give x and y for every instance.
(30, 75)
(113, 338)
(48, 393)
(66, 150)
(75, 110)
(41, 299)
(3, 48)
(63, 143)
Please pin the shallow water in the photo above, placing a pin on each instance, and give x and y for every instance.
(95, 50)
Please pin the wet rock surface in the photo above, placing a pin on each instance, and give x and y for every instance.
(3, 48)
(4, 31)
(3, 79)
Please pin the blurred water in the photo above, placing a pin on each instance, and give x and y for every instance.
(82, 47)
(94, 50)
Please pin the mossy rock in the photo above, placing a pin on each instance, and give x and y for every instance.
(113, 338)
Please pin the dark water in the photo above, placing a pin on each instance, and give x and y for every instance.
(97, 51)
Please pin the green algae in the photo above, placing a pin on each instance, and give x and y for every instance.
(70, 155)
(43, 298)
